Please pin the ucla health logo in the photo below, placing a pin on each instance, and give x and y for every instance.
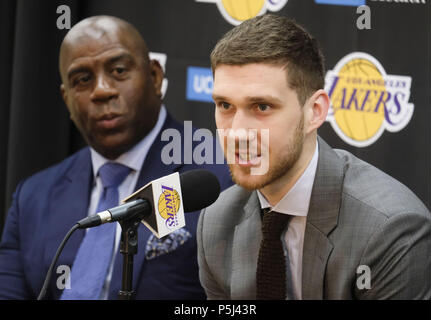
(237, 11)
(365, 101)
(199, 84)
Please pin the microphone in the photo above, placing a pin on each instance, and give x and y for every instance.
(124, 211)
(161, 204)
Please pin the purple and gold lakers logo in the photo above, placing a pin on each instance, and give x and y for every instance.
(365, 101)
(169, 204)
(237, 11)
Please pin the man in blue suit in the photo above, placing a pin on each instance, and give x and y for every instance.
(113, 93)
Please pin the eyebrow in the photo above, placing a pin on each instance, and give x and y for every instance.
(217, 97)
(263, 98)
(123, 56)
(251, 98)
(76, 70)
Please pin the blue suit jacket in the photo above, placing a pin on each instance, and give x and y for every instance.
(46, 205)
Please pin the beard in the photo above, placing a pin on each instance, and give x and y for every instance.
(280, 162)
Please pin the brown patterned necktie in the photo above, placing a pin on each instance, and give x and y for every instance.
(271, 266)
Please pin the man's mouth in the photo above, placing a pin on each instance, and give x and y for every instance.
(247, 159)
(110, 120)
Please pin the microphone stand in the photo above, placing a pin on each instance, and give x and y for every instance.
(128, 248)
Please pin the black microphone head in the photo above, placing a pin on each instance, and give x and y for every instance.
(199, 188)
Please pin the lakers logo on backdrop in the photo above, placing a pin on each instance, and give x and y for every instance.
(365, 101)
(169, 204)
(237, 11)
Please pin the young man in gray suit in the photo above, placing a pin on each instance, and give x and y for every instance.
(318, 223)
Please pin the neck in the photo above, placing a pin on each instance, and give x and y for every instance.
(277, 189)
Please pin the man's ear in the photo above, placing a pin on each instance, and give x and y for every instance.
(63, 93)
(316, 109)
(156, 73)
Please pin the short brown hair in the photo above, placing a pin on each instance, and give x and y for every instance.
(275, 40)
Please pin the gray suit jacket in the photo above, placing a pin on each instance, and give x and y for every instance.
(358, 216)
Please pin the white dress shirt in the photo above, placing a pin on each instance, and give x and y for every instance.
(134, 159)
(296, 203)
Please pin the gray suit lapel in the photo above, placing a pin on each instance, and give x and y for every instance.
(245, 250)
(321, 220)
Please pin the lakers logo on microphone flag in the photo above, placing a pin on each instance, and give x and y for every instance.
(167, 206)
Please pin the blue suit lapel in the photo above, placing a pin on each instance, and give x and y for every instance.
(153, 168)
(68, 204)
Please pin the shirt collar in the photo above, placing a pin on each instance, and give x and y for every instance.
(134, 158)
(297, 200)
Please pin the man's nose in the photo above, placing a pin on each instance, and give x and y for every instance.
(241, 125)
(103, 90)
(240, 120)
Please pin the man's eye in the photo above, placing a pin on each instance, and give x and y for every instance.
(82, 80)
(224, 105)
(263, 107)
(119, 70)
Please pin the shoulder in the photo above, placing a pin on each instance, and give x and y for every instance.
(368, 190)
(228, 209)
(42, 180)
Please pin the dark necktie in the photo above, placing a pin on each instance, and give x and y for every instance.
(92, 261)
(271, 265)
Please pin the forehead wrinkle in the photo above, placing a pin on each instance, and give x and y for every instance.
(113, 50)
